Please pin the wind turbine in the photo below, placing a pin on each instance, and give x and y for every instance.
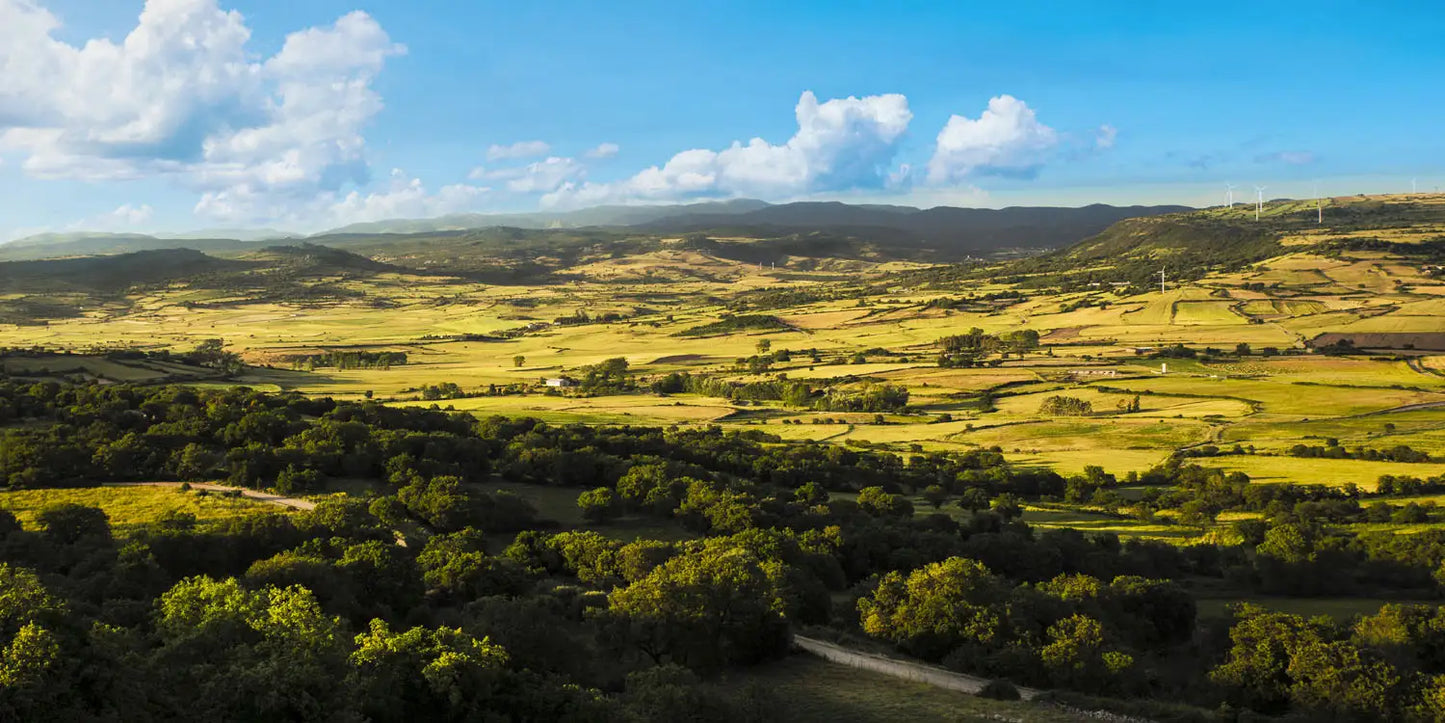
(1259, 200)
(1319, 204)
(1229, 193)
(1412, 186)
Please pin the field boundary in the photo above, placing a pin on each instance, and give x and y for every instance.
(896, 668)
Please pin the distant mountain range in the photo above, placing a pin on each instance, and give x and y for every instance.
(954, 230)
(582, 218)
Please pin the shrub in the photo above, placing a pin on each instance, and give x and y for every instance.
(999, 690)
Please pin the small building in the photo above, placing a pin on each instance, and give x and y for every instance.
(561, 382)
(1094, 372)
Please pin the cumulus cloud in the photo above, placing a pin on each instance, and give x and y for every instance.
(603, 150)
(182, 95)
(132, 215)
(841, 143)
(1104, 138)
(1007, 139)
(520, 149)
(407, 197)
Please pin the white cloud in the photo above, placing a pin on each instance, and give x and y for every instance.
(126, 217)
(406, 198)
(1105, 137)
(129, 215)
(1006, 140)
(543, 176)
(181, 95)
(518, 150)
(603, 150)
(840, 144)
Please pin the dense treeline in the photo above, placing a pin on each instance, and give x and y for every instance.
(1062, 406)
(348, 360)
(730, 323)
(489, 612)
(1398, 453)
(963, 350)
(802, 395)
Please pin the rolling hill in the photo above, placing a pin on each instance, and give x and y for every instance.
(873, 231)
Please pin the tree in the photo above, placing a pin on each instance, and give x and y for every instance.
(938, 607)
(1077, 656)
(519, 361)
(1007, 506)
(456, 565)
(877, 502)
(936, 495)
(600, 505)
(1348, 681)
(231, 653)
(440, 502)
(385, 572)
(33, 675)
(973, 499)
(1256, 670)
(195, 462)
(68, 523)
(293, 480)
(707, 609)
(1061, 406)
(764, 346)
(439, 674)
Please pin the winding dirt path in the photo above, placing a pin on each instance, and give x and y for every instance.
(896, 668)
(292, 502)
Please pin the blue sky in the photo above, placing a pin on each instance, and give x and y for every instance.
(182, 114)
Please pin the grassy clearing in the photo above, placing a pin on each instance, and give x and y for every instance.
(1087, 434)
(130, 507)
(1053, 517)
(1284, 397)
(558, 504)
(1299, 470)
(1116, 461)
(1205, 312)
(816, 690)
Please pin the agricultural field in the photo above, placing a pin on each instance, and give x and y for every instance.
(840, 326)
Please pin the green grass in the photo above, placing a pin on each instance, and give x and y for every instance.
(131, 507)
(812, 690)
(1303, 470)
(558, 504)
(1058, 517)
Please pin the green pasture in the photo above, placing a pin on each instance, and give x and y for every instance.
(1264, 469)
(132, 506)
